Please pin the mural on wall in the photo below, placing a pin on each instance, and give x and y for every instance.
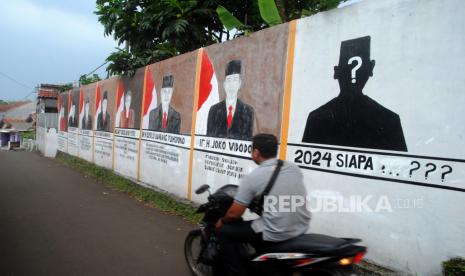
(233, 104)
(103, 116)
(127, 131)
(231, 118)
(104, 123)
(165, 118)
(126, 115)
(350, 115)
(167, 122)
(398, 136)
(62, 111)
(352, 118)
(86, 119)
(62, 122)
(128, 101)
(73, 121)
(393, 131)
(208, 94)
(105, 97)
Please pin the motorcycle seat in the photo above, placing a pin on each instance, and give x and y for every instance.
(308, 243)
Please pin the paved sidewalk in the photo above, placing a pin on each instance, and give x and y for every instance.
(56, 221)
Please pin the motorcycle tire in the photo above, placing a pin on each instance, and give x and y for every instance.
(192, 249)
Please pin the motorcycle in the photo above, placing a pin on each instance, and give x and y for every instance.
(308, 254)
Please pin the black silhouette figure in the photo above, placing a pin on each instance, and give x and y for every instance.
(352, 118)
(231, 118)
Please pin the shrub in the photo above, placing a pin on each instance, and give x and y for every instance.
(454, 267)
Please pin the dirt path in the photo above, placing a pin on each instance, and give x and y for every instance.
(56, 221)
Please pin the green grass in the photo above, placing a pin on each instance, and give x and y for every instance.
(28, 134)
(153, 198)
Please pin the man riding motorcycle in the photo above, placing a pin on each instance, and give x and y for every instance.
(274, 225)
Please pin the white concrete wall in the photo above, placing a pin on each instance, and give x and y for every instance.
(47, 141)
(418, 49)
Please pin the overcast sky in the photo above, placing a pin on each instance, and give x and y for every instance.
(48, 41)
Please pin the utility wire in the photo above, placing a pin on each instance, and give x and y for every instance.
(15, 81)
(97, 68)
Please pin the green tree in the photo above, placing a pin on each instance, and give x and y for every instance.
(273, 13)
(151, 30)
(86, 79)
(66, 87)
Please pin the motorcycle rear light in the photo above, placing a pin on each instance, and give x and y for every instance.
(358, 258)
(346, 261)
(352, 260)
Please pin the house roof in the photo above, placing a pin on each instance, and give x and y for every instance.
(21, 126)
(21, 112)
(47, 93)
(12, 124)
(6, 107)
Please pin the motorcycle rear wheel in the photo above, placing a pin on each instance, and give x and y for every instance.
(192, 247)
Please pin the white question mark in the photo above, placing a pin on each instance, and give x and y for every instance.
(356, 67)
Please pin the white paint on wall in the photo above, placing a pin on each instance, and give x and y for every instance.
(86, 144)
(73, 141)
(103, 149)
(126, 152)
(164, 161)
(62, 141)
(418, 49)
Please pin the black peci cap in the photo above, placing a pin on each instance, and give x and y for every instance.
(355, 47)
(168, 81)
(233, 67)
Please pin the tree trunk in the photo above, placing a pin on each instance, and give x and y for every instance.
(281, 5)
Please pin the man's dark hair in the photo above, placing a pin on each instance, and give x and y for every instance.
(266, 144)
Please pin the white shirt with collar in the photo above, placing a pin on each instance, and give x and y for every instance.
(165, 109)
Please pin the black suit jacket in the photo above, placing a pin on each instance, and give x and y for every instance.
(89, 122)
(100, 124)
(242, 122)
(173, 122)
(356, 122)
(73, 123)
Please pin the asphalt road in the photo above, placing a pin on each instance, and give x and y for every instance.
(56, 221)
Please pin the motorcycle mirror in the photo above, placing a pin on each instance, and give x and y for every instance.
(202, 189)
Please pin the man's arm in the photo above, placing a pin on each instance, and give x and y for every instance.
(245, 195)
(234, 213)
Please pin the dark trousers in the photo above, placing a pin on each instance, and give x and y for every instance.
(230, 237)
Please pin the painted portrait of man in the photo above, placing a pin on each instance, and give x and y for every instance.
(103, 118)
(62, 119)
(127, 114)
(87, 119)
(352, 118)
(165, 118)
(231, 118)
(73, 120)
